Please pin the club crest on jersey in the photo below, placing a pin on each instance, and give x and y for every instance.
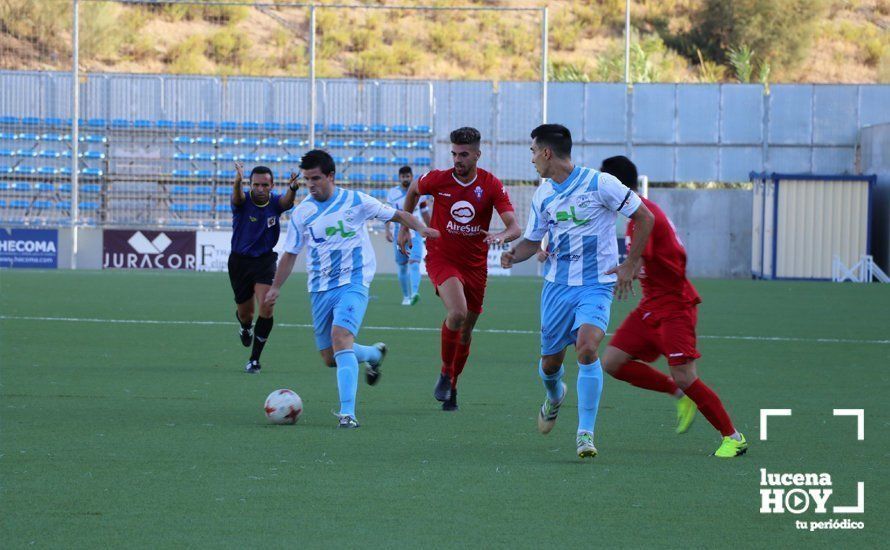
(478, 192)
(349, 215)
(270, 222)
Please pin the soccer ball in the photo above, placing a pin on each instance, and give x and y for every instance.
(283, 407)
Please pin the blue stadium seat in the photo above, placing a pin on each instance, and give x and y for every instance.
(65, 188)
(26, 170)
(42, 205)
(250, 142)
(377, 178)
(295, 127)
(30, 121)
(271, 126)
(399, 160)
(358, 160)
(228, 125)
(395, 178)
(379, 144)
(319, 144)
(142, 123)
(400, 129)
(20, 187)
(4, 185)
(223, 208)
(227, 157)
(7, 153)
(359, 128)
(27, 153)
(6, 136)
(29, 136)
(422, 145)
(2, 203)
(357, 177)
(227, 174)
(66, 154)
(65, 170)
(359, 143)
(201, 208)
(6, 119)
(339, 160)
(91, 188)
(379, 160)
(205, 140)
(224, 190)
(182, 156)
(379, 194)
(19, 204)
(48, 170)
(293, 142)
(4, 169)
(337, 143)
(89, 206)
(401, 144)
(63, 205)
(319, 127)
(179, 208)
(181, 173)
(120, 123)
(270, 158)
(93, 138)
(183, 139)
(95, 155)
(57, 122)
(336, 127)
(204, 173)
(45, 187)
(207, 125)
(164, 124)
(228, 141)
(271, 142)
(53, 137)
(202, 190)
(96, 123)
(422, 161)
(291, 158)
(422, 129)
(250, 126)
(249, 158)
(185, 124)
(379, 128)
(205, 157)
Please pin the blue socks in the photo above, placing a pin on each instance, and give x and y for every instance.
(347, 380)
(404, 281)
(366, 354)
(552, 383)
(414, 275)
(590, 388)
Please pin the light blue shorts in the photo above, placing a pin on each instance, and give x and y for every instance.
(565, 308)
(343, 306)
(416, 252)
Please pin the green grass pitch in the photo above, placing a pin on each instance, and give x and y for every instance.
(148, 434)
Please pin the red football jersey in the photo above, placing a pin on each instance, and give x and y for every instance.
(663, 275)
(461, 212)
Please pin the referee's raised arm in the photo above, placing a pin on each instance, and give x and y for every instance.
(286, 202)
(238, 196)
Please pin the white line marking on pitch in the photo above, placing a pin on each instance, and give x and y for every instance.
(426, 329)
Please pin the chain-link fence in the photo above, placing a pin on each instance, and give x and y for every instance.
(152, 149)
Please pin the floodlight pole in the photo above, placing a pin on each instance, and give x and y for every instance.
(312, 83)
(627, 42)
(544, 61)
(75, 115)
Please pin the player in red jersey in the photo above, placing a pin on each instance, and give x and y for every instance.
(464, 199)
(664, 324)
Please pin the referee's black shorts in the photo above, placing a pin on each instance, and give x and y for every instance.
(246, 271)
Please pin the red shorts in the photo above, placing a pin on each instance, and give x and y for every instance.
(648, 334)
(473, 280)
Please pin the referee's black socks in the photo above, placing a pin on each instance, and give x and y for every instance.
(260, 335)
(246, 326)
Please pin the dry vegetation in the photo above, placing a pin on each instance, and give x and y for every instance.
(673, 40)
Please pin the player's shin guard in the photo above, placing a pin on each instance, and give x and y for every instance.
(643, 376)
(414, 276)
(710, 406)
(552, 382)
(365, 354)
(404, 280)
(590, 388)
(461, 354)
(347, 380)
(450, 340)
(260, 334)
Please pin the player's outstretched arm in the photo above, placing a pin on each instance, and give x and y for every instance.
(285, 266)
(511, 232)
(286, 202)
(523, 250)
(644, 220)
(238, 196)
(409, 220)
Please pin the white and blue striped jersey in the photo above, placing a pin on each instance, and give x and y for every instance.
(336, 235)
(579, 216)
